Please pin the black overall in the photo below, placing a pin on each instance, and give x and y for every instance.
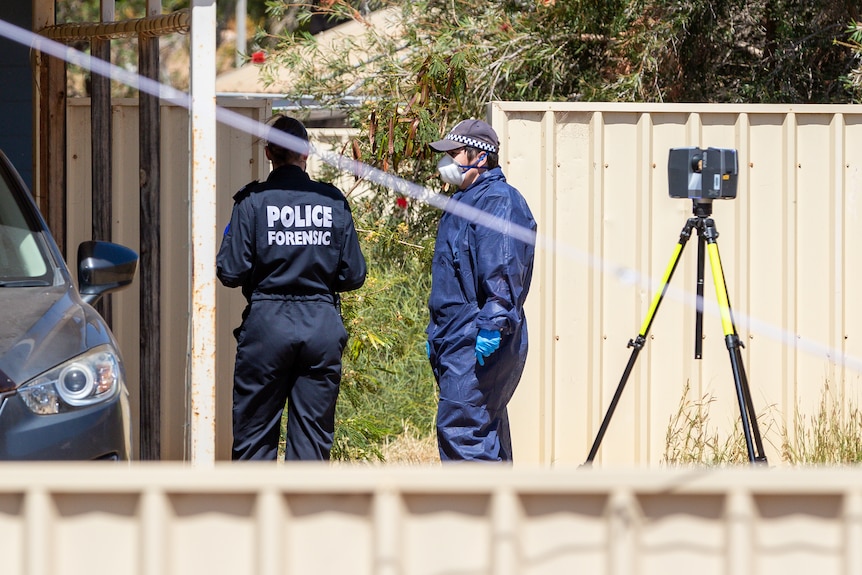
(292, 247)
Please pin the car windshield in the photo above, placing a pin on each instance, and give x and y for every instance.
(23, 260)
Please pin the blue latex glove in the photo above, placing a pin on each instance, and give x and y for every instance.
(487, 343)
(428, 349)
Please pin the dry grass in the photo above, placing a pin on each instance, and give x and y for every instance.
(831, 436)
(407, 449)
(410, 449)
(691, 440)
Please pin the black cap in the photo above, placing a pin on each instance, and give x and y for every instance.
(290, 126)
(472, 133)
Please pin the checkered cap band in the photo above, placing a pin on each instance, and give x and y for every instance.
(472, 142)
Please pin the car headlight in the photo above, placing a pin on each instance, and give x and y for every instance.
(86, 380)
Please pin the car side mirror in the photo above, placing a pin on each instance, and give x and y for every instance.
(104, 267)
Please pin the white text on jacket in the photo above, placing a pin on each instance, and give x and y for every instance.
(280, 220)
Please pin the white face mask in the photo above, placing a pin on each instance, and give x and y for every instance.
(452, 172)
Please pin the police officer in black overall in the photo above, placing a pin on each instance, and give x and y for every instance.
(292, 247)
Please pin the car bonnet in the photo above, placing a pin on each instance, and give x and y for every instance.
(41, 328)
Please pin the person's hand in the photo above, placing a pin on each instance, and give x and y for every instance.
(428, 349)
(487, 343)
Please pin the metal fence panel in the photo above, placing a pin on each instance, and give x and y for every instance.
(263, 519)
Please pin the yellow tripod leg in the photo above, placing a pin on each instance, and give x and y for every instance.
(665, 280)
(720, 289)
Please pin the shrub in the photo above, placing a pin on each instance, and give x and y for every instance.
(387, 385)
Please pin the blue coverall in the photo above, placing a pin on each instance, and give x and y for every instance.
(292, 247)
(480, 279)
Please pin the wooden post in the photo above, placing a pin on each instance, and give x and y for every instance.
(52, 147)
(150, 277)
(102, 163)
(100, 119)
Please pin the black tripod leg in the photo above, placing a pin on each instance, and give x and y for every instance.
(739, 373)
(698, 319)
(743, 394)
(638, 343)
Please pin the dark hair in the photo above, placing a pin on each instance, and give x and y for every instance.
(492, 159)
(288, 125)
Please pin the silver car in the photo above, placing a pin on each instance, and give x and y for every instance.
(63, 394)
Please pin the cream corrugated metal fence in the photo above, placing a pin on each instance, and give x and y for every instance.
(259, 519)
(596, 178)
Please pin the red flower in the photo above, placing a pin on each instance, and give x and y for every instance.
(401, 203)
(258, 57)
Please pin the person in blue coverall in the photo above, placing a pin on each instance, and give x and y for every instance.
(477, 333)
(292, 247)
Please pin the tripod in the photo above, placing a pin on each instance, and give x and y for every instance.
(704, 226)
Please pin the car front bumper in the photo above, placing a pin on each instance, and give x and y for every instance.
(96, 432)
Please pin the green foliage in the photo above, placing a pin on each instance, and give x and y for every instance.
(853, 80)
(467, 52)
(387, 384)
(762, 51)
